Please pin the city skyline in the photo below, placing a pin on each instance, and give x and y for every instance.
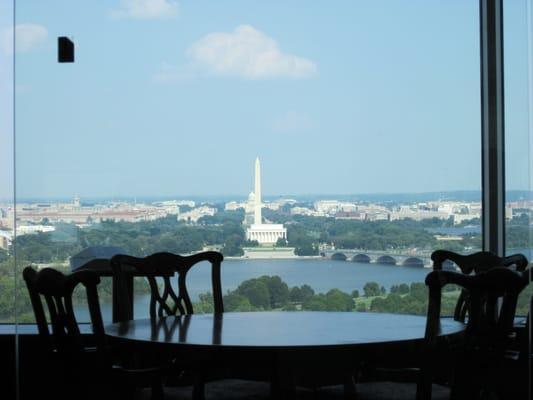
(447, 195)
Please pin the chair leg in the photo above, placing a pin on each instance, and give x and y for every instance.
(126, 393)
(198, 388)
(424, 385)
(157, 389)
(282, 385)
(350, 389)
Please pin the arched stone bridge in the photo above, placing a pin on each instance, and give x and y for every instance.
(419, 259)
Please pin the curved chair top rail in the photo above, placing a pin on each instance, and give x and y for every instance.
(166, 265)
(478, 262)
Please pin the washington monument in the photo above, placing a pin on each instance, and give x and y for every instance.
(263, 233)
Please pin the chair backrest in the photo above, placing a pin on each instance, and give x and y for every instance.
(485, 324)
(477, 262)
(164, 300)
(56, 289)
(481, 261)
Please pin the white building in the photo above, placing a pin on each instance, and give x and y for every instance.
(195, 214)
(29, 229)
(264, 234)
(233, 206)
(5, 239)
(305, 211)
(327, 206)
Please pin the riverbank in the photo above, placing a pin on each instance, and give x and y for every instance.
(267, 257)
(266, 253)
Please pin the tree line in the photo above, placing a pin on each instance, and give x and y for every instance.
(271, 293)
(225, 231)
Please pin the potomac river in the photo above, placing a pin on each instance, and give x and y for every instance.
(321, 274)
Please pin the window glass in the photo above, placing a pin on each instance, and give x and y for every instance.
(519, 198)
(7, 262)
(325, 150)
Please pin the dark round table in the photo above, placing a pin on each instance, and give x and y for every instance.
(289, 343)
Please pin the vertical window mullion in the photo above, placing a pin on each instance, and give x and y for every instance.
(492, 125)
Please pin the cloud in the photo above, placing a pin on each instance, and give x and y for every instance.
(28, 37)
(247, 53)
(293, 121)
(168, 73)
(146, 9)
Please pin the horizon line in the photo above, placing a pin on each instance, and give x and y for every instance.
(225, 196)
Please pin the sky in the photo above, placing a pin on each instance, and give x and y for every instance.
(6, 102)
(178, 98)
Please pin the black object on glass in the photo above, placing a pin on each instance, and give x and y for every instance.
(65, 50)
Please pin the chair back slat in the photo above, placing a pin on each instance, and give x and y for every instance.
(164, 299)
(217, 287)
(184, 293)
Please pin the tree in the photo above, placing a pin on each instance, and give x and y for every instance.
(403, 288)
(3, 255)
(295, 294)
(337, 300)
(290, 307)
(371, 289)
(315, 303)
(301, 294)
(281, 242)
(361, 307)
(278, 290)
(355, 294)
(306, 292)
(205, 305)
(256, 291)
(236, 302)
(306, 249)
(232, 247)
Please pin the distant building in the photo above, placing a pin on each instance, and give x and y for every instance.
(266, 233)
(459, 218)
(354, 215)
(5, 239)
(327, 206)
(417, 215)
(29, 229)
(249, 210)
(195, 214)
(234, 206)
(306, 211)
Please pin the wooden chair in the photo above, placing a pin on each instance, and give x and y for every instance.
(480, 357)
(165, 301)
(468, 264)
(83, 368)
(474, 263)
